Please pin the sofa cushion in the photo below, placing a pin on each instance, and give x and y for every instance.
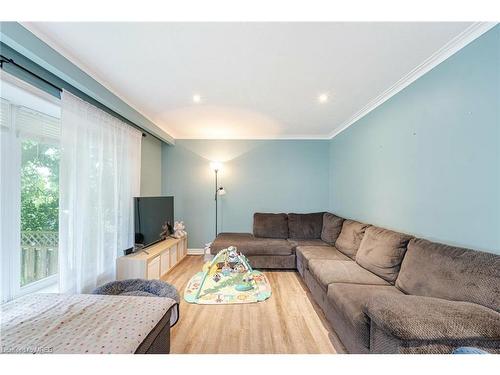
(327, 271)
(350, 237)
(382, 251)
(332, 225)
(317, 242)
(273, 261)
(432, 319)
(250, 245)
(224, 240)
(270, 225)
(436, 270)
(349, 300)
(305, 226)
(306, 253)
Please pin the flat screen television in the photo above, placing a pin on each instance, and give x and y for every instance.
(151, 216)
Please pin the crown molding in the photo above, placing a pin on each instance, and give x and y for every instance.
(460, 41)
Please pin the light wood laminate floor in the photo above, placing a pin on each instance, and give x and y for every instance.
(288, 322)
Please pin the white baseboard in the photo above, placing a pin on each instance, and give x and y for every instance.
(196, 251)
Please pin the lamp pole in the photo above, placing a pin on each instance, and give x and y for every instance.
(216, 187)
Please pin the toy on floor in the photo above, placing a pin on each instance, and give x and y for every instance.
(227, 278)
(230, 263)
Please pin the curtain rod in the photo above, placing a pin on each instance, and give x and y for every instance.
(4, 59)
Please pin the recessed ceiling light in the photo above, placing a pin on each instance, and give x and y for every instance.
(323, 98)
(196, 98)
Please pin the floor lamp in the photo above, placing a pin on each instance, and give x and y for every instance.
(219, 190)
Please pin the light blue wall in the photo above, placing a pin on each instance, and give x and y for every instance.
(151, 170)
(427, 161)
(269, 176)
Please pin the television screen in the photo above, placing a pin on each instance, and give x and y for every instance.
(151, 217)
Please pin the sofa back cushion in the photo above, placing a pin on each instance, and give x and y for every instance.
(350, 237)
(332, 225)
(436, 270)
(270, 225)
(305, 226)
(382, 251)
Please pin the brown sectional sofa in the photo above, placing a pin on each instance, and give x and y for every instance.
(382, 291)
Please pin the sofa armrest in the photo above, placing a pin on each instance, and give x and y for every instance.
(418, 318)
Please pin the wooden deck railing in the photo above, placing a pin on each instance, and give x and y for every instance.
(38, 256)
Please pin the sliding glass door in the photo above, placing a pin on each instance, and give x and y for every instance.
(39, 210)
(29, 138)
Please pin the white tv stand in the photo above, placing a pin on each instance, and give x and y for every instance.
(152, 262)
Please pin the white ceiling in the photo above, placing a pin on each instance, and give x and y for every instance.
(256, 80)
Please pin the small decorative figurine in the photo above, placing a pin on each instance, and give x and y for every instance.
(166, 230)
(179, 229)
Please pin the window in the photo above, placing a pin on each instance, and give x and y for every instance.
(39, 210)
(29, 138)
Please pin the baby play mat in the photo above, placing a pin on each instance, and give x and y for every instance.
(228, 278)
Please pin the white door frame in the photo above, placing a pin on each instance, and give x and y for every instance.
(10, 204)
(10, 212)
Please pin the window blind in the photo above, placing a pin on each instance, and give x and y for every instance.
(31, 123)
(4, 114)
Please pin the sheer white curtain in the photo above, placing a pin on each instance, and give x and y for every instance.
(99, 176)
